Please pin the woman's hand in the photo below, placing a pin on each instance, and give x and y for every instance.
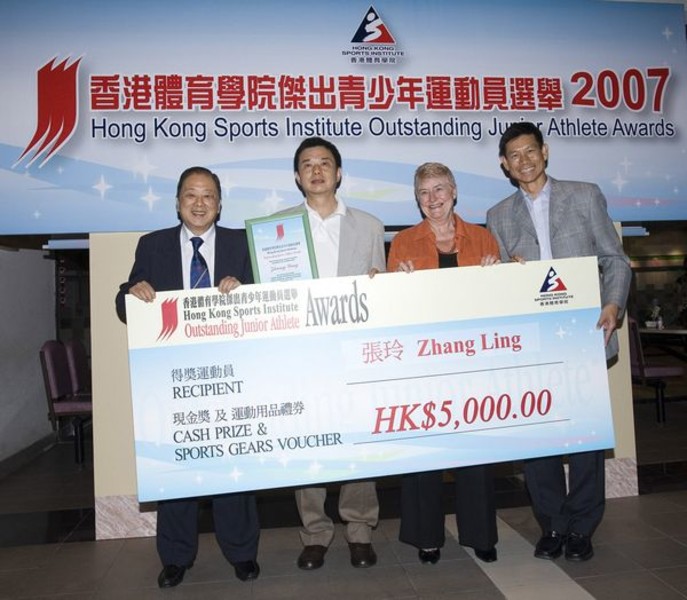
(406, 266)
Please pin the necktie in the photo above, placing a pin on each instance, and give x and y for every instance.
(199, 268)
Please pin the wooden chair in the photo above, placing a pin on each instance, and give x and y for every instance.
(62, 402)
(651, 375)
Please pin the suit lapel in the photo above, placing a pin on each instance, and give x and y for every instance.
(557, 204)
(521, 216)
(172, 257)
(219, 245)
(347, 242)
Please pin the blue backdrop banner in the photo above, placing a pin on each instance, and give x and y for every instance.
(104, 104)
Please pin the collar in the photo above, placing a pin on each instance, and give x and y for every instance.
(340, 210)
(545, 191)
(424, 229)
(207, 236)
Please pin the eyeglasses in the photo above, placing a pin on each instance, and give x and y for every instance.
(191, 197)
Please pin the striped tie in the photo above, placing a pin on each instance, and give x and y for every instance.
(199, 268)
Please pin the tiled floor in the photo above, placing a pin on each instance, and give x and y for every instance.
(641, 552)
(47, 522)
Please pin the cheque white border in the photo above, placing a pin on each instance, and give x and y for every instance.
(295, 383)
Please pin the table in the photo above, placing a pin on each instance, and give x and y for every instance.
(663, 338)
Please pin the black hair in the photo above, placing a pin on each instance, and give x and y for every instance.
(516, 130)
(316, 142)
(199, 171)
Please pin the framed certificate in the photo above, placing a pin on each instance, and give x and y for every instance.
(281, 248)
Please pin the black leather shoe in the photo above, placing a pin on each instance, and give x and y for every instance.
(487, 555)
(362, 555)
(312, 557)
(578, 547)
(246, 569)
(550, 545)
(431, 556)
(171, 575)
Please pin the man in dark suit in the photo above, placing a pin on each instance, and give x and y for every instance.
(543, 220)
(184, 257)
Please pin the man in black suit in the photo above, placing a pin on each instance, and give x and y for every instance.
(183, 257)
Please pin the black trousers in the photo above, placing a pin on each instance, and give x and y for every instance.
(579, 507)
(422, 508)
(236, 528)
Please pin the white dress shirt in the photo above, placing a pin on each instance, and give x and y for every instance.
(539, 211)
(326, 234)
(207, 249)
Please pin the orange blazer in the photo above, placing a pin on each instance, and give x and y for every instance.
(418, 244)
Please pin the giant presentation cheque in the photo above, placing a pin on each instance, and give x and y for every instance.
(286, 384)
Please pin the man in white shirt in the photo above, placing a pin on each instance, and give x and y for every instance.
(347, 241)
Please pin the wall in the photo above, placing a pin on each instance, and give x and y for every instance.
(27, 319)
(621, 463)
(620, 382)
(117, 510)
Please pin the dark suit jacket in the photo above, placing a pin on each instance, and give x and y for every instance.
(158, 261)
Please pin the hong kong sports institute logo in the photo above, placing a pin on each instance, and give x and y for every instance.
(552, 282)
(57, 110)
(373, 43)
(373, 30)
(553, 290)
